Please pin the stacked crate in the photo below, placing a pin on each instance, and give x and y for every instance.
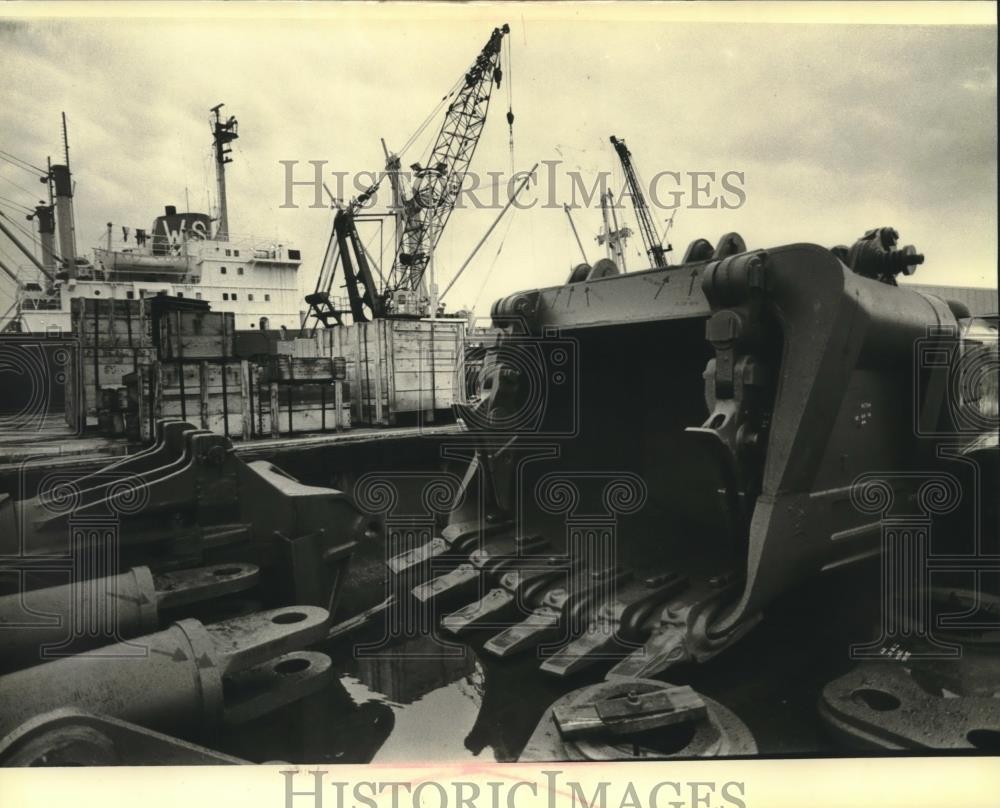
(196, 377)
(211, 394)
(303, 347)
(115, 339)
(400, 368)
(199, 378)
(296, 394)
(195, 334)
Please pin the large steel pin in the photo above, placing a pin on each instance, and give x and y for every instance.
(172, 681)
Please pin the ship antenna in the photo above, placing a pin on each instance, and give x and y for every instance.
(65, 140)
(224, 132)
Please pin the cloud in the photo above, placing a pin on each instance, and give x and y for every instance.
(837, 128)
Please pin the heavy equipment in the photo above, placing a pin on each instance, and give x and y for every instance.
(186, 679)
(655, 248)
(186, 500)
(654, 460)
(72, 737)
(657, 456)
(421, 214)
(103, 615)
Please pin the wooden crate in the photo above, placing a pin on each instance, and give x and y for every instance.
(302, 347)
(287, 409)
(115, 337)
(111, 323)
(187, 334)
(228, 398)
(99, 368)
(295, 369)
(398, 367)
(210, 395)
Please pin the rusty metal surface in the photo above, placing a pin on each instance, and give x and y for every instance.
(170, 681)
(878, 705)
(43, 623)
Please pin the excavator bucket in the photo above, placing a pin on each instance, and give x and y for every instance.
(683, 445)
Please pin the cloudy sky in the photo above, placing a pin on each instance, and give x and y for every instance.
(835, 128)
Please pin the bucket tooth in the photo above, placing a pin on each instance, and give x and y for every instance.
(541, 626)
(664, 649)
(487, 559)
(494, 606)
(599, 641)
(523, 583)
(682, 634)
(411, 562)
(455, 543)
(620, 620)
(460, 581)
(561, 605)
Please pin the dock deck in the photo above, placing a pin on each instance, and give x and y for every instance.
(53, 446)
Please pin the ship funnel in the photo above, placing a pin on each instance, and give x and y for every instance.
(171, 210)
(45, 214)
(63, 182)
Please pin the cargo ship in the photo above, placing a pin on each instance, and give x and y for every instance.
(184, 254)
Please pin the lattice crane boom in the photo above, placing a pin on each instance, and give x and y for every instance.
(421, 216)
(647, 227)
(436, 186)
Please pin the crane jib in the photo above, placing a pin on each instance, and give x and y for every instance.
(421, 217)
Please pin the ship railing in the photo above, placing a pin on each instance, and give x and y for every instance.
(268, 249)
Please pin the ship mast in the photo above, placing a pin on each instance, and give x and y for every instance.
(61, 179)
(223, 133)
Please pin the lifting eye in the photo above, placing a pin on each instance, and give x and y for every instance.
(876, 699)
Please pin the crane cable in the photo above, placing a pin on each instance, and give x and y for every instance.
(493, 263)
(433, 114)
(24, 165)
(14, 204)
(510, 103)
(16, 185)
(28, 234)
(36, 242)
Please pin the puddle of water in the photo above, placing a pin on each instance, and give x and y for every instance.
(435, 695)
(446, 703)
(435, 727)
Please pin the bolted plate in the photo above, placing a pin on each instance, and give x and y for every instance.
(641, 708)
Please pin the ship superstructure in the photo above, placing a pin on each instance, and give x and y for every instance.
(186, 254)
